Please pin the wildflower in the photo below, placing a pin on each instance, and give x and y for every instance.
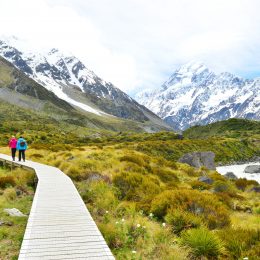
(163, 224)
(123, 220)
(144, 227)
(245, 258)
(116, 222)
(138, 225)
(106, 211)
(151, 215)
(134, 252)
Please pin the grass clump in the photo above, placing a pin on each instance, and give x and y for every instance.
(239, 242)
(7, 181)
(202, 243)
(242, 183)
(10, 194)
(136, 187)
(181, 220)
(205, 205)
(17, 192)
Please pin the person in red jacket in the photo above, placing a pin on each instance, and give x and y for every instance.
(12, 145)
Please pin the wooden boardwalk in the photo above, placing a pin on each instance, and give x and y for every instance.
(59, 225)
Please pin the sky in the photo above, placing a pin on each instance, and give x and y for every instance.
(137, 44)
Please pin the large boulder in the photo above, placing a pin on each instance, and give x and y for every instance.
(231, 176)
(252, 169)
(198, 159)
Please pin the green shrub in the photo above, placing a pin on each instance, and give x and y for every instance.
(114, 236)
(221, 186)
(133, 158)
(135, 187)
(191, 171)
(242, 183)
(206, 205)
(181, 220)
(7, 181)
(101, 196)
(74, 172)
(202, 243)
(239, 241)
(217, 177)
(165, 175)
(199, 185)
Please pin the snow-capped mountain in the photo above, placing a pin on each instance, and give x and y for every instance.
(69, 79)
(196, 95)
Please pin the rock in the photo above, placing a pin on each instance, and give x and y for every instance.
(14, 212)
(6, 223)
(205, 179)
(96, 176)
(252, 169)
(231, 176)
(198, 159)
(256, 189)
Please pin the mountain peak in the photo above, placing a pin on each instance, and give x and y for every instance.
(193, 67)
(195, 95)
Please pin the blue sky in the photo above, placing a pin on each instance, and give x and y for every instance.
(137, 44)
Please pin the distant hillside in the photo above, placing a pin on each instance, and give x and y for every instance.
(70, 80)
(24, 103)
(228, 128)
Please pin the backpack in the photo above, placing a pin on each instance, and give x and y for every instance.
(22, 144)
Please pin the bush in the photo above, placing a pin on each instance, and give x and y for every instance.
(191, 171)
(133, 186)
(206, 205)
(221, 186)
(239, 241)
(133, 158)
(100, 195)
(114, 237)
(242, 183)
(7, 181)
(199, 185)
(165, 175)
(74, 172)
(202, 243)
(180, 220)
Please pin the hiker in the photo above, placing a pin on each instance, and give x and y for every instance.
(21, 147)
(12, 145)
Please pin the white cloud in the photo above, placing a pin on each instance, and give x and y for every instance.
(138, 43)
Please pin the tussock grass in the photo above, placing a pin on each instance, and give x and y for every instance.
(17, 195)
(144, 201)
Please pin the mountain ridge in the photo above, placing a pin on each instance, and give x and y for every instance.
(69, 79)
(196, 95)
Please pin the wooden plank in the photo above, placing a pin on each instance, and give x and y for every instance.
(59, 225)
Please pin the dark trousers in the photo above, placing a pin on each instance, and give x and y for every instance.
(13, 153)
(21, 155)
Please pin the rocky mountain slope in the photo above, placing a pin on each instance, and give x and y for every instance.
(27, 105)
(196, 95)
(70, 80)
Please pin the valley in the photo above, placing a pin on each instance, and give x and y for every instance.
(147, 204)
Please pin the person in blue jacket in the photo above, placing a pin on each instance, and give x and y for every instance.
(21, 147)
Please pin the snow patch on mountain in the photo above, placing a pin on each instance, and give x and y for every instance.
(196, 95)
(51, 68)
